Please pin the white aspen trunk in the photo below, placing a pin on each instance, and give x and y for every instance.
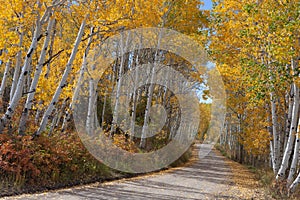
(127, 120)
(63, 81)
(165, 96)
(272, 153)
(225, 134)
(91, 107)
(289, 146)
(24, 73)
(289, 116)
(67, 116)
(66, 119)
(30, 96)
(134, 96)
(17, 69)
(116, 108)
(281, 134)
(50, 51)
(145, 128)
(92, 88)
(272, 157)
(293, 167)
(4, 79)
(134, 105)
(103, 109)
(295, 184)
(112, 79)
(164, 99)
(27, 81)
(295, 158)
(276, 147)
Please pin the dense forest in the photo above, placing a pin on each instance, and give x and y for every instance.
(48, 60)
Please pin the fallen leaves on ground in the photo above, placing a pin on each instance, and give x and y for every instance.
(244, 184)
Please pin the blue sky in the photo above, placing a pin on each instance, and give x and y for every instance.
(207, 5)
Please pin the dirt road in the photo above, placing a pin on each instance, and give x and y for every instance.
(207, 178)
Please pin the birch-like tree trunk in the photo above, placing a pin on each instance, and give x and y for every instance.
(272, 164)
(50, 51)
(289, 115)
(296, 182)
(63, 81)
(281, 132)
(272, 153)
(68, 115)
(295, 65)
(24, 73)
(291, 139)
(67, 118)
(297, 142)
(276, 146)
(90, 121)
(295, 157)
(134, 106)
(34, 83)
(91, 107)
(135, 95)
(4, 79)
(17, 68)
(116, 108)
(103, 108)
(145, 128)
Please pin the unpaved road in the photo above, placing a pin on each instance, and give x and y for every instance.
(206, 178)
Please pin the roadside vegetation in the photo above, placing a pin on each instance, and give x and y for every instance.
(45, 48)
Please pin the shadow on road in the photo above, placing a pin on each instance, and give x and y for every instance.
(206, 178)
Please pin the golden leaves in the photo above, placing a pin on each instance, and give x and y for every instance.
(252, 42)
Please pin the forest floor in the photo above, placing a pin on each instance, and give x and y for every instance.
(213, 177)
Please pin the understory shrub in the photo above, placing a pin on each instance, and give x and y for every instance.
(45, 162)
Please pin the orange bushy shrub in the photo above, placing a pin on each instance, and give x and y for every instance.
(46, 161)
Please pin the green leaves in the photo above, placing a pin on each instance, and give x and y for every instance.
(250, 8)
